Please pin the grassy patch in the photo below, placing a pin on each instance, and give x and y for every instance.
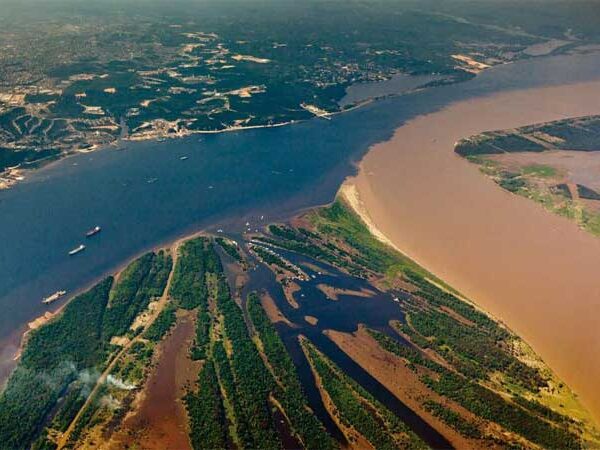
(539, 170)
(341, 222)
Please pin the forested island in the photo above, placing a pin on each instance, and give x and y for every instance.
(307, 334)
(553, 164)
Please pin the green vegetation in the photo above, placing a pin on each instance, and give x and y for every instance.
(240, 427)
(140, 282)
(477, 349)
(539, 170)
(485, 403)
(587, 193)
(491, 143)
(305, 424)
(454, 349)
(271, 258)
(89, 415)
(541, 183)
(253, 381)
(74, 337)
(542, 410)
(203, 325)
(286, 233)
(316, 249)
(341, 239)
(244, 380)
(491, 406)
(577, 134)
(163, 324)
(205, 409)
(414, 356)
(132, 366)
(196, 263)
(482, 371)
(230, 247)
(453, 419)
(359, 409)
(512, 182)
(255, 65)
(53, 357)
(70, 405)
(248, 389)
(340, 223)
(11, 158)
(188, 288)
(74, 346)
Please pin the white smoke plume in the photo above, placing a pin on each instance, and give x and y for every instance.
(119, 384)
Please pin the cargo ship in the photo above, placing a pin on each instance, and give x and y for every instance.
(52, 298)
(93, 231)
(77, 250)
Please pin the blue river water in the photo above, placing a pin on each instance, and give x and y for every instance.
(143, 195)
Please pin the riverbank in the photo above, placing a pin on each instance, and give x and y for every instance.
(536, 271)
(10, 176)
(455, 342)
(147, 195)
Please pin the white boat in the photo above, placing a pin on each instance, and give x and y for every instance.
(183, 158)
(52, 298)
(93, 231)
(77, 250)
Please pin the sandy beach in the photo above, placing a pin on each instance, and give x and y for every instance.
(535, 271)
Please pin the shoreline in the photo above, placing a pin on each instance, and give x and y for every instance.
(19, 339)
(11, 176)
(441, 212)
(349, 195)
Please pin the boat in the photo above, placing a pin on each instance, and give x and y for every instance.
(52, 298)
(77, 250)
(93, 231)
(183, 158)
(152, 180)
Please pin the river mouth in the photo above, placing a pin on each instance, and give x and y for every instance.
(146, 195)
(535, 271)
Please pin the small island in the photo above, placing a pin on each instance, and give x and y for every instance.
(555, 164)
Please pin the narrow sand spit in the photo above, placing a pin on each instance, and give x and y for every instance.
(536, 271)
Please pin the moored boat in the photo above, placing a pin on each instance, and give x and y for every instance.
(93, 231)
(52, 298)
(77, 250)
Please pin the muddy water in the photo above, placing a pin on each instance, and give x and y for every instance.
(160, 421)
(536, 271)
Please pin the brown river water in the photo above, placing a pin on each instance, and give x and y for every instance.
(537, 272)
